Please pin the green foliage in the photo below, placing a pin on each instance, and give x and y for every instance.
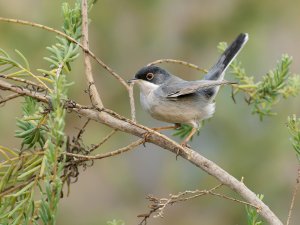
(12, 68)
(185, 129)
(263, 95)
(252, 214)
(18, 172)
(64, 52)
(293, 125)
(277, 84)
(32, 124)
(31, 182)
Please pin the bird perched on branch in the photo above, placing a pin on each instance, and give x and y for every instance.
(171, 99)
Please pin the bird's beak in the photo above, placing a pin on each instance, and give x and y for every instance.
(131, 81)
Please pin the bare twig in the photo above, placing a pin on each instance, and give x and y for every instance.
(93, 93)
(81, 131)
(127, 148)
(234, 200)
(296, 188)
(99, 61)
(131, 100)
(10, 97)
(178, 62)
(159, 205)
(22, 91)
(27, 82)
(94, 147)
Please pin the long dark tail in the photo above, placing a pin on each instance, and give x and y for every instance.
(218, 70)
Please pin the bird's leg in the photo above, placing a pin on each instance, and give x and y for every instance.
(193, 131)
(177, 125)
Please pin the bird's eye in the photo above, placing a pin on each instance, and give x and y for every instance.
(149, 76)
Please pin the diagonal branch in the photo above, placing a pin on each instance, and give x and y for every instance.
(82, 158)
(8, 98)
(99, 61)
(116, 121)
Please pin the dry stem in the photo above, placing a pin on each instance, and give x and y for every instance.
(93, 93)
(178, 62)
(127, 148)
(296, 188)
(99, 61)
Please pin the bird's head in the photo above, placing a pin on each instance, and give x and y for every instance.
(151, 74)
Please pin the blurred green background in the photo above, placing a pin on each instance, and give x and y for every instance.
(129, 34)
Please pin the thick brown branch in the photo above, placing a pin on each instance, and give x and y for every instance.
(188, 154)
(115, 121)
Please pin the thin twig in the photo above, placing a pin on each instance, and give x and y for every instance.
(94, 147)
(81, 131)
(296, 188)
(178, 62)
(99, 61)
(131, 100)
(160, 204)
(93, 92)
(127, 148)
(28, 82)
(10, 97)
(234, 200)
(22, 91)
(14, 188)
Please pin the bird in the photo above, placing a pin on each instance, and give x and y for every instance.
(171, 99)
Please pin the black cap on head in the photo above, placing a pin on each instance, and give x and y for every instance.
(152, 74)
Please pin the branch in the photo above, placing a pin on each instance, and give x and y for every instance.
(99, 61)
(27, 82)
(192, 156)
(116, 121)
(10, 97)
(127, 148)
(94, 147)
(158, 205)
(193, 66)
(93, 93)
(294, 197)
(23, 91)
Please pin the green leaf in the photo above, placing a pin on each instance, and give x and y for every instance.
(23, 58)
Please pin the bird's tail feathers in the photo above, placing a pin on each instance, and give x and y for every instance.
(217, 71)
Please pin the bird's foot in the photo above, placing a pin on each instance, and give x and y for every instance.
(145, 137)
(185, 144)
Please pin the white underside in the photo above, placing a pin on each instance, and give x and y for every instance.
(180, 111)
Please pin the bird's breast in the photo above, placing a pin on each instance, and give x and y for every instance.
(180, 110)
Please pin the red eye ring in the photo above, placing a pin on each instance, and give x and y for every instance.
(150, 76)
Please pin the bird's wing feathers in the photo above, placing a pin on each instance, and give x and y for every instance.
(189, 87)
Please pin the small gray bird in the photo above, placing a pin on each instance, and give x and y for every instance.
(171, 99)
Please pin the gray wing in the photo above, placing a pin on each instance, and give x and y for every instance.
(189, 87)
